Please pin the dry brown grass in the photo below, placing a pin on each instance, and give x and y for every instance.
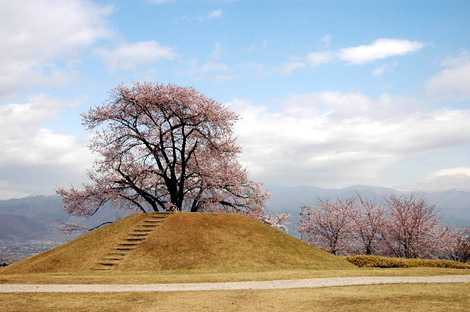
(80, 254)
(188, 242)
(225, 243)
(384, 298)
(192, 277)
(389, 262)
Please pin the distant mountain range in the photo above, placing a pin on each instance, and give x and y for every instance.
(39, 217)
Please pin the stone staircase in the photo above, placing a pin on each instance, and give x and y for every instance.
(135, 237)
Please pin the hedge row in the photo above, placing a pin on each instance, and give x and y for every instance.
(388, 262)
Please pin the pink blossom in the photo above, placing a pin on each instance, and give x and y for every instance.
(164, 147)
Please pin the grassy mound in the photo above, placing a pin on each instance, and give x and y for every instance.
(187, 242)
(388, 262)
(80, 254)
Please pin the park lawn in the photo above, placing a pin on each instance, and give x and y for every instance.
(187, 277)
(384, 298)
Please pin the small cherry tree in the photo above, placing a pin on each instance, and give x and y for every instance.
(368, 220)
(277, 221)
(462, 249)
(164, 148)
(329, 225)
(405, 227)
(457, 245)
(412, 228)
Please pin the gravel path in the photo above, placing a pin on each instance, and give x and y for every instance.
(277, 284)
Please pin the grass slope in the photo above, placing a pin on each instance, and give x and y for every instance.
(80, 254)
(187, 242)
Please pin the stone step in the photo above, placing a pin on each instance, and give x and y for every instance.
(114, 260)
(116, 254)
(131, 244)
(111, 258)
(108, 264)
(122, 256)
(135, 239)
(142, 231)
(137, 235)
(124, 248)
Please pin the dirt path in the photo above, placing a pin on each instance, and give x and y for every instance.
(277, 284)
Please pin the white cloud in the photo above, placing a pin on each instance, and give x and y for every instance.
(453, 81)
(35, 159)
(131, 55)
(335, 139)
(211, 15)
(312, 59)
(213, 68)
(448, 178)
(379, 49)
(218, 13)
(457, 171)
(317, 58)
(382, 69)
(35, 34)
(292, 66)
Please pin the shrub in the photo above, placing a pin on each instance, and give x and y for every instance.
(388, 262)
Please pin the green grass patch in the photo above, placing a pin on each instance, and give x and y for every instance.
(389, 262)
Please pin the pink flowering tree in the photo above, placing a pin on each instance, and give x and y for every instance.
(368, 220)
(279, 221)
(164, 148)
(329, 225)
(457, 245)
(412, 228)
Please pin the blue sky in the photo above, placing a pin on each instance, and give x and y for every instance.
(329, 93)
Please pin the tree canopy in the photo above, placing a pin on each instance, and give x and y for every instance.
(164, 148)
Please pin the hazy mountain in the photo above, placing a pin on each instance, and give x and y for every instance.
(20, 228)
(39, 218)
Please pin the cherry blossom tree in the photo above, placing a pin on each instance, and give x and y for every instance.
(462, 248)
(277, 221)
(457, 245)
(412, 228)
(368, 220)
(329, 225)
(164, 148)
(406, 226)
